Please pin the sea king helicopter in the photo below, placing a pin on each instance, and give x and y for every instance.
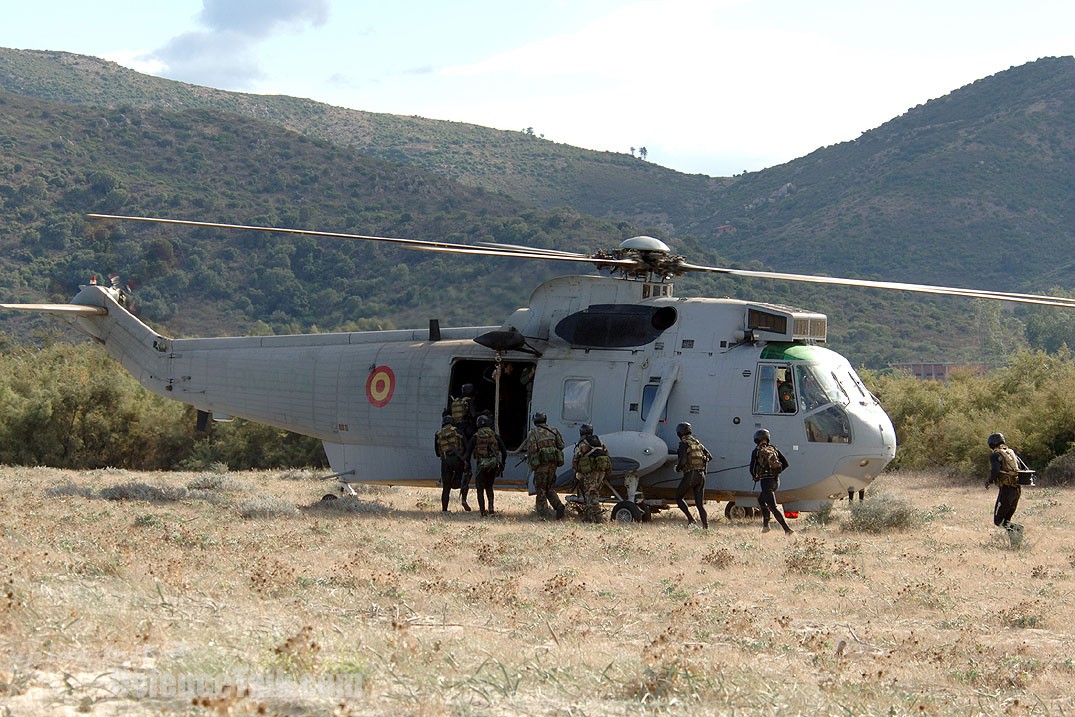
(618, 351)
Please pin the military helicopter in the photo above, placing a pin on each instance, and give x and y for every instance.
(618, 351)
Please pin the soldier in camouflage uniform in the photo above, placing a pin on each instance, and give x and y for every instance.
(487, 448)
(1004, 471)
(766, 464)
(544, 454)
(693, 459)
(450, 448)
(592, 465)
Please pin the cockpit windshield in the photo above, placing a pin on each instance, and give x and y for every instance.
(813, 382)
(824, 399)
(819, 386)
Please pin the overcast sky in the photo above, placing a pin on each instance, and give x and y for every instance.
(710, 86)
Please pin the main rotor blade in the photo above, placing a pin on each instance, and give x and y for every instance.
(284, 230)
(507, 251)
(529, 249)
(535, 254)
(1038, 299)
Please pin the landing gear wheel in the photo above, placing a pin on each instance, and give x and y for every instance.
(627, 511)
(737, 512)
(329, 497)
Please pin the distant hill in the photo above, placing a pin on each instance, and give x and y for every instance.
(973, 189)
(537, 171)
(61, 161)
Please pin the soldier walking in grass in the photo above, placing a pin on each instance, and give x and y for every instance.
(1004, 471)
(592, 465)
(450, 448)
(692, 461)
(766, 464)
(487, 448)
(545, 453)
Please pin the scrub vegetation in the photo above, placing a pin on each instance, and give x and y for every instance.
(74, 407)
(164, 593)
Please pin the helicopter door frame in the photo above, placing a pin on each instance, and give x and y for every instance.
(516, 388)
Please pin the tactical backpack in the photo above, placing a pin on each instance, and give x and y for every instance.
(450, 444)
(768, 462)
(595, 459)
(461, 408)
(697, 456)
(549, 448)
(486, 448)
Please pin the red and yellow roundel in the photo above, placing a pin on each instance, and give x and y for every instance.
(380, 386)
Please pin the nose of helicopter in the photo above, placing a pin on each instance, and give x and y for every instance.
(875, 447)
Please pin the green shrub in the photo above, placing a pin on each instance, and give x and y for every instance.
(880, 514)
(1060, 471)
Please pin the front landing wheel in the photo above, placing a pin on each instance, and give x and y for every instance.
(738, 512)
(627, 511)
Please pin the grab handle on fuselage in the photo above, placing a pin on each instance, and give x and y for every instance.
(664, 390)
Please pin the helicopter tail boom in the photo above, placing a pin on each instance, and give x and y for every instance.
(98, 312)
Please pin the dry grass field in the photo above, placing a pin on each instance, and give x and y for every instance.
(241, 594)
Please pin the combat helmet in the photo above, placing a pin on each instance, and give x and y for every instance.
(468, 389)
(762, 434)
(585, 430)
(540, 418)
(446, 419)
(995, 440)
(684, 429)
(484, 421)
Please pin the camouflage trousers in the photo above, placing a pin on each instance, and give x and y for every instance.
(544, 482)
(591, 492)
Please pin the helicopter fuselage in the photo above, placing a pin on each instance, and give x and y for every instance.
(624, 356)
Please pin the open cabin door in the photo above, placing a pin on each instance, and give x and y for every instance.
(516, 387)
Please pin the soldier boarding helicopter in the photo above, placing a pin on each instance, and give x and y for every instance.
(621, 353)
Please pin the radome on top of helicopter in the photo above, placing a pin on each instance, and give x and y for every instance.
(621, 353)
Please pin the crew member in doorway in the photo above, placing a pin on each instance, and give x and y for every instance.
(1004, 471)
(544, 454)
(450, 448)
(693, 459)
(487, 448)
(766, 465)
(592, 465)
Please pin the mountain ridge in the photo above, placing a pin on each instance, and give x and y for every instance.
(971, 189)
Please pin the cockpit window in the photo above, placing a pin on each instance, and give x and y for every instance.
(818, 387)
(823, 397)
(775, 391)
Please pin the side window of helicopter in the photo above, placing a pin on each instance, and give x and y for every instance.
(578, 396)
(649, 393)
(766, 397)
